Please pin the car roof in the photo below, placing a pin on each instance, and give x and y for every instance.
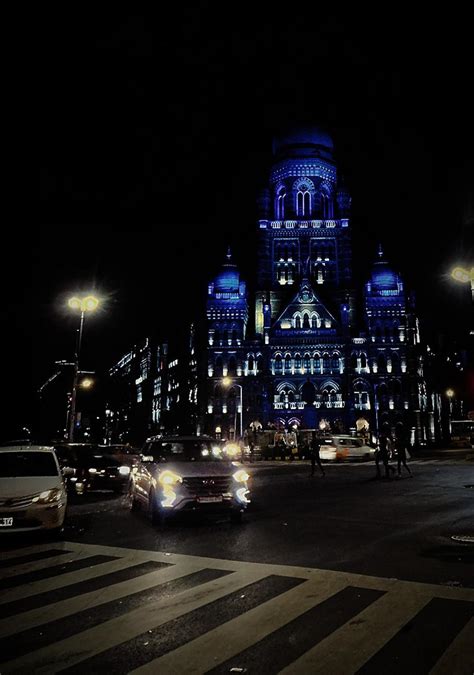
(26, 448)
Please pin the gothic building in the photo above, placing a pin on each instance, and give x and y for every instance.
(322, 353)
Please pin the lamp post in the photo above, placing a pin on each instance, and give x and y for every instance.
(88, 303)
(227, 382)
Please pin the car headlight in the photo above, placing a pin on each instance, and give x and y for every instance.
(169, 478)
(92, 470)
(124, 470)
(241, 476)
(48, 496)
(232, 450)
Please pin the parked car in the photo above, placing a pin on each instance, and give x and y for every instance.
(345, 447)
(187, 473)
(32, 490)
(92, 469)
(126, 454)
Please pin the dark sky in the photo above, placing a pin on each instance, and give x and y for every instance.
(156, 137)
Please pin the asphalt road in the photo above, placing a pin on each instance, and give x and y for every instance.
(342, 573)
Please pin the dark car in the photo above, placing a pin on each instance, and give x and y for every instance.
(93, 469)
(126, 454)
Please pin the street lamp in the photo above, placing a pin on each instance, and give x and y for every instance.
(464, 276)
(87, 303)
(227, 382)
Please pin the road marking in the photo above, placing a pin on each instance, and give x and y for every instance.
(347, 649)
(67, 579)
(199, 655)
(59, 610)
(88, 643)
(459, 656)
(27, 568)
(343, 651)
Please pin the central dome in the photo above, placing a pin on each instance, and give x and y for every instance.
(305, 141)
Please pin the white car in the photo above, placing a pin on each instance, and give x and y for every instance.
(32, 491)
(188, 473)
(345, 447)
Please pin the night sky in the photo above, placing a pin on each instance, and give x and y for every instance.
(156, 138)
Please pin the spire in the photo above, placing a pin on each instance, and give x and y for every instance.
(380, 252)
(229, 254)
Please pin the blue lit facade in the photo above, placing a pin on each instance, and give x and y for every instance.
(321, 353)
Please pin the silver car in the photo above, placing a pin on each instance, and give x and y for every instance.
(178, 474)
(32, 492)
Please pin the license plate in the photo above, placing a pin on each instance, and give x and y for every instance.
(207, 500)
(6, 522)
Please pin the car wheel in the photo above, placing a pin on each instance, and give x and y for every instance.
(236, 516)
(156, 515)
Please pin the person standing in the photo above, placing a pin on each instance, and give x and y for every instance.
(314, 446)
(401, 447)
(383, 452)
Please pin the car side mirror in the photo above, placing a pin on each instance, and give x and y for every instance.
(67, 471)
(147, 459)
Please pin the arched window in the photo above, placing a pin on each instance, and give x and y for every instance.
(395, 363)
(287, 362)
(259, 364)
(251, 362)
(278, 363)
(280, 204)
(297, 322)
(326, 363)
(314, 321)
(353, 361)
(381, 366)
(335, 362)
(234, 336)
(303, 201)
(307, 362)
(232, 366)
(297, 361)
(218, 366)
(363, 360)
(306, 320)
(217, 337)
(378, 332)
(317, 362)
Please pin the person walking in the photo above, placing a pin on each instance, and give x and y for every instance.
(314, 454)
(401, 447)
(383, 451)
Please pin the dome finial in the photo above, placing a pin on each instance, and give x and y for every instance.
(229, 253)
(380, 251)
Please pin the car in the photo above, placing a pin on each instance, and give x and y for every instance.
(126, 454)
(334, 448)
(92, 469)
(32, 490)
(179, 474)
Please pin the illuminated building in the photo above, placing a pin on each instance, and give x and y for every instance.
(318, 350)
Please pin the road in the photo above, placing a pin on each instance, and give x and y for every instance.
(334, 574)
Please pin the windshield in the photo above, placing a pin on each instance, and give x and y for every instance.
(14, 464)
(184, 451)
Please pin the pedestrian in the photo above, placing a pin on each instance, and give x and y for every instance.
(401, 447)
(314, 454)
(383, 452)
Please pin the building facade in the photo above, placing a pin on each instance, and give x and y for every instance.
(322, 354)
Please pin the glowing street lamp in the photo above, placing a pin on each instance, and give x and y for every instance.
(87, 303)
(464, 276)
(227, 382)
(87, 383)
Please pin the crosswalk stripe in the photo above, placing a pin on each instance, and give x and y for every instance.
(59, 610)
(89, 643)
(67, 579)
(347, 649)
(27, 568)
(199, 655)
(36, 548)
(459, 656)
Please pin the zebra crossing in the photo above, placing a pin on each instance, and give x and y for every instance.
(74, 606)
